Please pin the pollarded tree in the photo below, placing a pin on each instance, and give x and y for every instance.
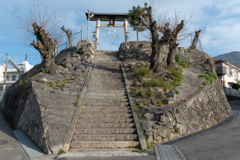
(45, 45)
(169, 36)
(195, 39)
(133, 18)
(69, 35)
(41, 30)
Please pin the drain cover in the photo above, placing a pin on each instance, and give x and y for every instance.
(2, 142)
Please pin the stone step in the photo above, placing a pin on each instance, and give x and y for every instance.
(106, 77)
(103, 70)
(99, 101)
(106, 120)
(105, 66)
(106, 80)
(106, 137)
(105, 115)
(104, 144)
(106, 87)
(108, 150)
(105, 125)
(105, 131)
(108, 108)
(100, 73)
(105, 103)
(105, 94)
(107, 98)
(106, 91)
(106, 111)
(117, 85)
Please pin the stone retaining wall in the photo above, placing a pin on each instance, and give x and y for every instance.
(203, 110)
(131, 52)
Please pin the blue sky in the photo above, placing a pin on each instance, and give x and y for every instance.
(219, 21)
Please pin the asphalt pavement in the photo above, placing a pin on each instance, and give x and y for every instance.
(222, 143)
(10, 148)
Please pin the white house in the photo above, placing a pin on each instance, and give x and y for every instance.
(12, 74)
(228, 73)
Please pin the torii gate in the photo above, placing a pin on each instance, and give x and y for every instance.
(111, 17)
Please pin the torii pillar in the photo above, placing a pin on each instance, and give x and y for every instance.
(111, 17)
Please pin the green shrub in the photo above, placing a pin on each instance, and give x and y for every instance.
(177, 74)
(184, 64)
(141, 71)
(210, 78)
(143, 91)
(155, 82)
(202, 76)
(176, 91)
(177, 58)
(179, 68)
(151, 92)
(159, 102)
(178, 77)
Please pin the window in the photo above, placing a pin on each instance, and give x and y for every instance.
(230, 72)
(13, 77)
(8, 78)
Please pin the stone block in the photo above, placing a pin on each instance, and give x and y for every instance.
(146, 126)
(148, 116)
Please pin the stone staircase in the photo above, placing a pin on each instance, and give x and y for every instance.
(105, 122)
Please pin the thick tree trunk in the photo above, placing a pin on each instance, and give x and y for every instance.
(49, 64)
(156, 64)
(171, 55)
(45, 45)
(195, 40)
(155, 59)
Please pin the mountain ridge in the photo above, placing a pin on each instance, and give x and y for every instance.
(232, 57)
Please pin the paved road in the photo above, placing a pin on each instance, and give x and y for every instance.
(222, 143)
(151, 157)
(12, 150)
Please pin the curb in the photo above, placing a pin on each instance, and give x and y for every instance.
(68, 137)
(135, 117)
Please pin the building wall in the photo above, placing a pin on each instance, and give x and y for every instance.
(12, 75)
(232, 74)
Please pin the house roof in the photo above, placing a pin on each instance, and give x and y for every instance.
(107, 16)
(228, 63)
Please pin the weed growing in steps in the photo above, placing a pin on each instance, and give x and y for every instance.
(61, 151)
(77, 100)
(148, 145)
(140, 151)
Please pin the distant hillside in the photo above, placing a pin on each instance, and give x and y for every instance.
(232, 57)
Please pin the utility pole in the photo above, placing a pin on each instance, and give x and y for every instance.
(5, 75)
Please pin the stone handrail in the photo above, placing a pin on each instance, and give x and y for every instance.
(135, 117)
